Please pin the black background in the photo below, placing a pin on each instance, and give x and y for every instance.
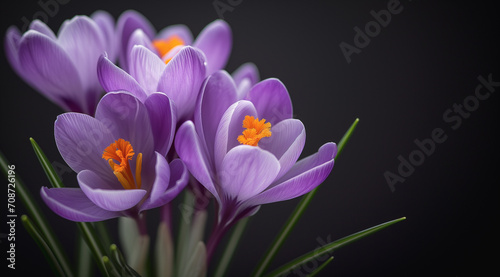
(399, 85)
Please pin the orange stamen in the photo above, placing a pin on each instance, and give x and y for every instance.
(122, 152)
(255, 131)
(163, 46)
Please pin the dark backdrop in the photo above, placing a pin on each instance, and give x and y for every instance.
(427, 58)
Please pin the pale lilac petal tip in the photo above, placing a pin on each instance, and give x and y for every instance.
(113, 78)
(180, 30)
(128, 22)
(74, 205)
(301, 179)
(215, 40)
(182, 79)
(271, 99)
(106, 197)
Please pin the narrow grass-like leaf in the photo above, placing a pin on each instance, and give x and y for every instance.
(84, 256)
(110, 270)
(231, 247)
(329, 248)
(119, 260)
(89, 235)
(42, 244)
(86, 229)
(37, 218)
(297, 213)
(47, 166)
(323, 265)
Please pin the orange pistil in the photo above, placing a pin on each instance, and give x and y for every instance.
(255, 131)
(121, 151)
(163, 46)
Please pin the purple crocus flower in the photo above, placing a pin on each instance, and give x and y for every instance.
(180, 78)
(245, 151)
(63, 67)
(215, 40)
(120, 159)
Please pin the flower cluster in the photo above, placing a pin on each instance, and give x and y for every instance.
(150, 114)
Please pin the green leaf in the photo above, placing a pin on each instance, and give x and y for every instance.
(297, 213)
(119, 260)
(186, 213)
(47, 166)
(231, 247)
(323, 265)
(327, 249)
(85, 266)
(343, 141)
(42, 244)
(86, 228)
(110, 270)
(89, 235)
(38, 219)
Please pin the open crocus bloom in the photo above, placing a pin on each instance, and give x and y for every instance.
(215, 40)
(180, 79)
(245, 151)
(63, 67)
(119, 158)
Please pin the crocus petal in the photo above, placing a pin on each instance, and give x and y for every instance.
(106, 24)
(215, 40)
(106, 196)
(139, 37)
(84, 42)
(41, 27)
(81, 140)
(127, 117)
(286, 142)
(182, 79)
(162, 114)
(113, 78)
(128, 22)
(246, 71)
(192, 153)
(218, 92)
(246, 171)
(307, 174)
(49, 68)
(179, 177)
(11, 45)
(230, 127)
(73, 204)
(162, 173)
(146, 67)
(180, 30)
(271, 99)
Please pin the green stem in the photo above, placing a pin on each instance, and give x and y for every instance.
(84, 266)
(231, 247)
(38, 219)
(297, 213)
